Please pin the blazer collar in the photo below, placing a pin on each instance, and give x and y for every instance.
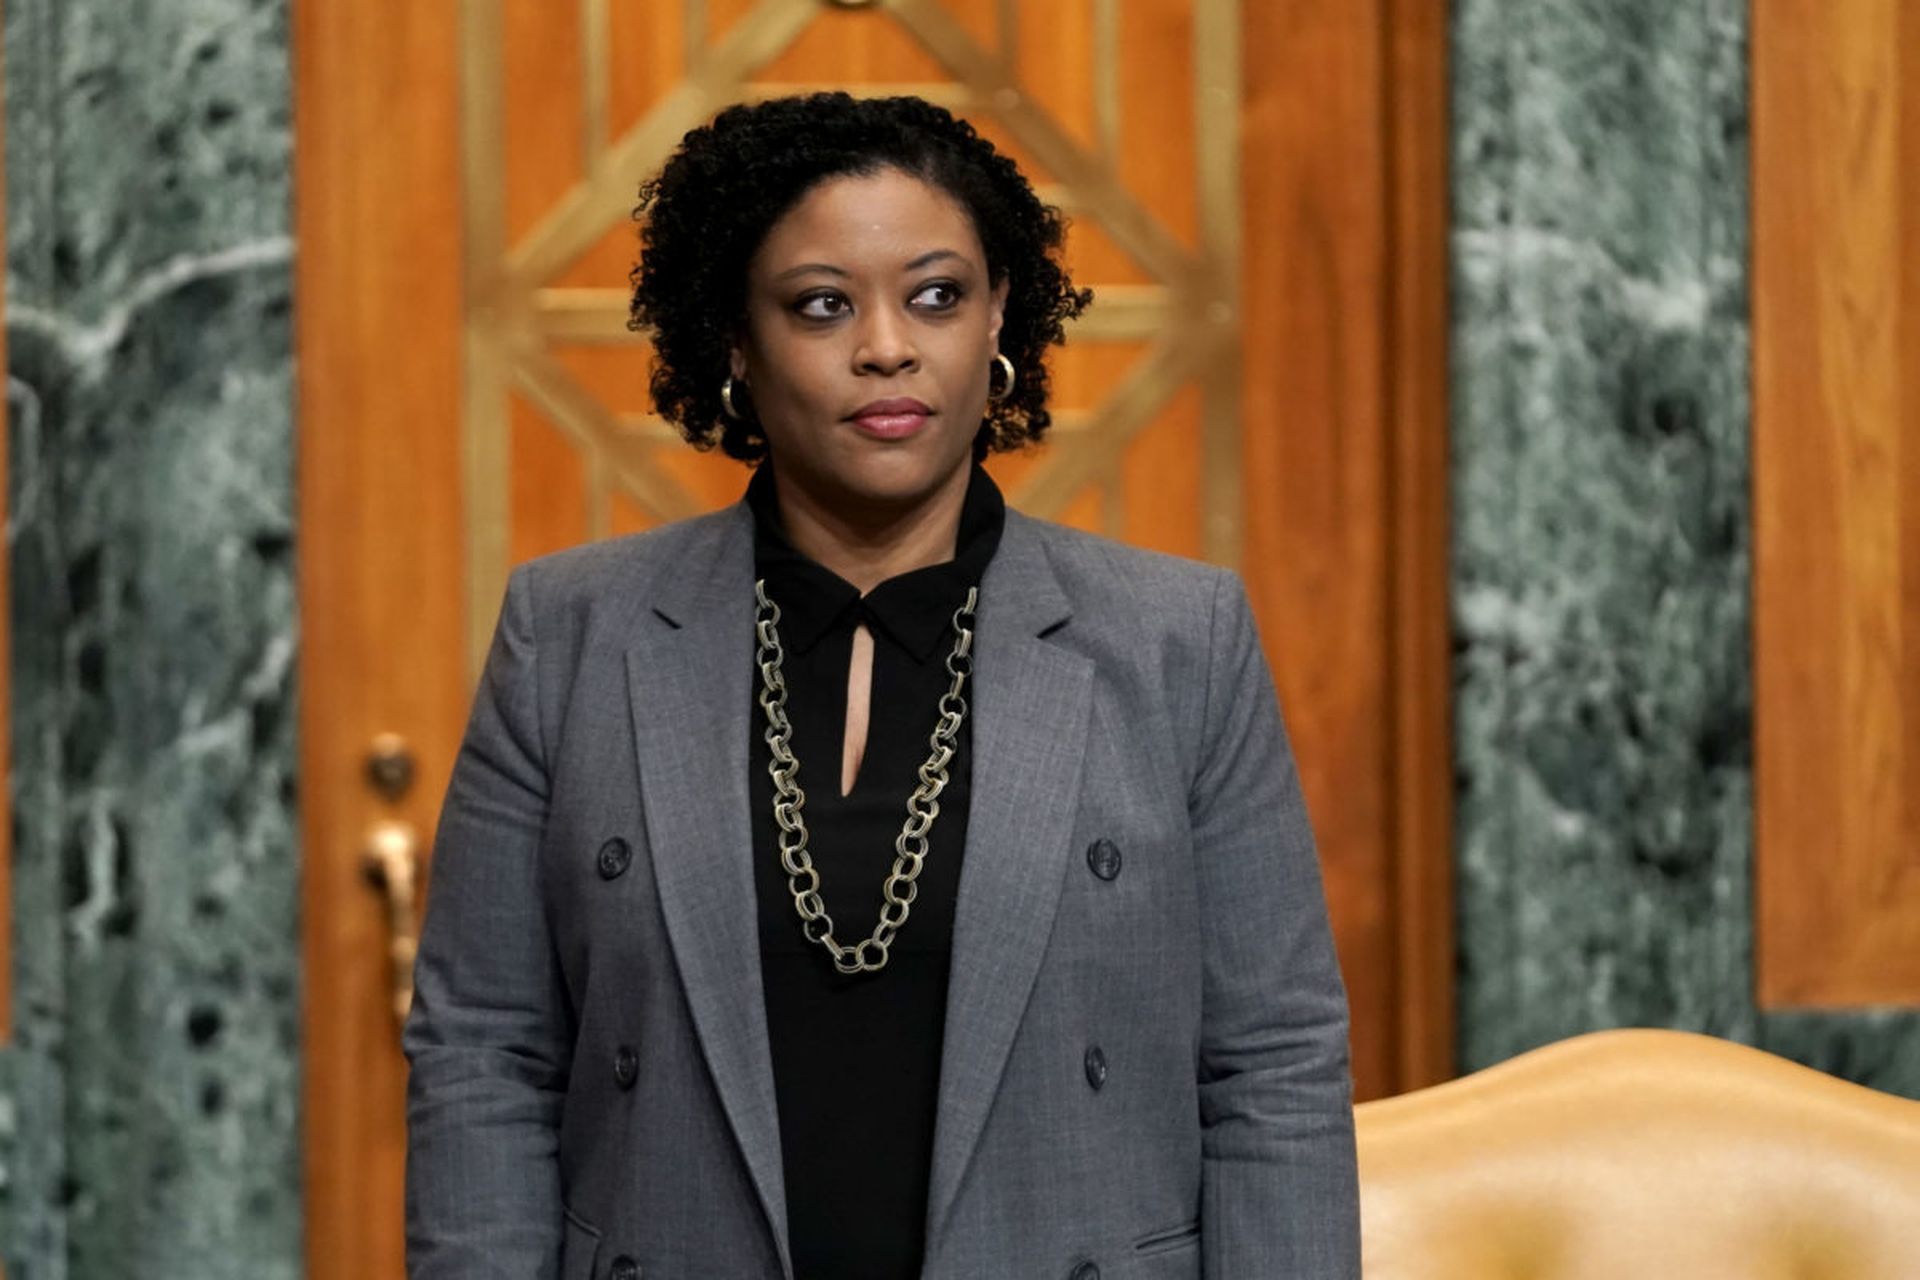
(701, 582)
(707, 587)
(689, 669)
(915, 608)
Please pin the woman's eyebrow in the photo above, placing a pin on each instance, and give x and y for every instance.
(805, 267)
(925, 259)
(934, 256)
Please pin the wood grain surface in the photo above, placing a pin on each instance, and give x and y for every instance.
(378, 221)
(1345, 460)
(1836, 501)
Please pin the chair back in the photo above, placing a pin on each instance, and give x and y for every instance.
(1649, 1155)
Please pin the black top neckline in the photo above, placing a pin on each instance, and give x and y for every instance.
(914, 608)
(856, 1058)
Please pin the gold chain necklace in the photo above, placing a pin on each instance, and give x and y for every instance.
(869, 955)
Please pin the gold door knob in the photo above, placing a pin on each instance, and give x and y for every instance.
(392, 865)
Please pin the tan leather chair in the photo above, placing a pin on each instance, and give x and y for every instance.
(1650, 1155)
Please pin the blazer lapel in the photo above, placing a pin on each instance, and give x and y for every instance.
(688, 675)
(1030, 715)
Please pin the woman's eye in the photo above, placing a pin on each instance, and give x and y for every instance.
(821, 306)
(940, 295)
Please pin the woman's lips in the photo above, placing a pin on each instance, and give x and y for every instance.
(891, 419)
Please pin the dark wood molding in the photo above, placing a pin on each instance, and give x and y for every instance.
(1344, 300)
(1418, 489)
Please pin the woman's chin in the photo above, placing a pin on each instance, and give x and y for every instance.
(896, 474)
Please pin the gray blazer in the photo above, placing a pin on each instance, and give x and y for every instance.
(591, 1093)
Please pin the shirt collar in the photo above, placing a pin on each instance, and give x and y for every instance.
(914, 608)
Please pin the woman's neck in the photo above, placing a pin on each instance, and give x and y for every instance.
(868, 546)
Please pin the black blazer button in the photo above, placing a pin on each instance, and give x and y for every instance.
(615, 854)
(1103, 856)
(625, 1268)
(626, 1066)
(1085, 1271)
(1096, 1066)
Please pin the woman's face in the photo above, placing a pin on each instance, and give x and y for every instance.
(872, 289)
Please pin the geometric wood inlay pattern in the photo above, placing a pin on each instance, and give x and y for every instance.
(1125, 116)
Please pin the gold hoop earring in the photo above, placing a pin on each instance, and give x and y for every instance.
(1000, 361)
(726, 400)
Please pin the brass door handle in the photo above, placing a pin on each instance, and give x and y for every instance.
(392, 865)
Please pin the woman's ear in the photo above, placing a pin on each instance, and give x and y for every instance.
(997, 311)
(737, 361)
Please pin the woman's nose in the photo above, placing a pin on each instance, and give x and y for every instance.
(885, 346)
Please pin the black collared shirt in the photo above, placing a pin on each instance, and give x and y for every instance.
(856, 1058)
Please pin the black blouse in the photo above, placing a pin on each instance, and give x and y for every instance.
(856, 1058)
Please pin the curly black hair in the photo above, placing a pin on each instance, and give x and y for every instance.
(705, 214)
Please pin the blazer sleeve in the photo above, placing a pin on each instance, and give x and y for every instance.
(1280, 1193)
(489, 1036)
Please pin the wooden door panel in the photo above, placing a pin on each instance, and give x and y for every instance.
(1097, 95)
(382, 601)
(1836, 440)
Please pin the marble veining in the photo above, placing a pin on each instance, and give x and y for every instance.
(88, 347)
(152, 1086)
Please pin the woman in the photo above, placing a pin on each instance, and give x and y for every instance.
(868, 880)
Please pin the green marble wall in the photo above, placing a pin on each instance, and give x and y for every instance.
(1601, 547)
(148, 1102)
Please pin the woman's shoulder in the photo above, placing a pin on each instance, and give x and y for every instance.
(626, 565)
(1150, 622)
(1095, 570)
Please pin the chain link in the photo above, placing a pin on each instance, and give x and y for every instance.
(869, 955)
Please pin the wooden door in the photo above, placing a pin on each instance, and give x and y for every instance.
(1257, 203)
(1836, 503)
